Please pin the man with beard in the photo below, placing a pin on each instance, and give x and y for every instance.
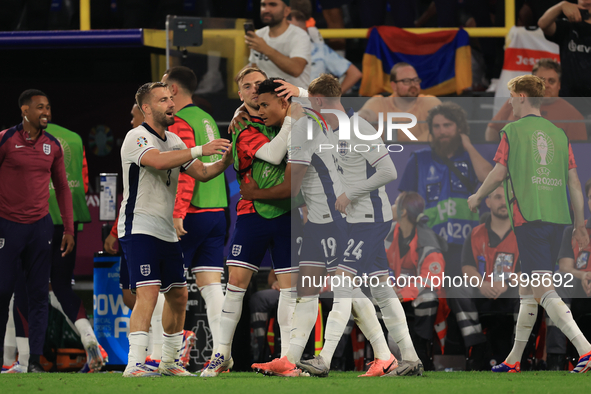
(406, 97)
(445, 175)
(26, 229)
(280, 49)
(151, 157)
(491, 248)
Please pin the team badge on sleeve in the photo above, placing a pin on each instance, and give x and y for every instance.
(236, 249)
(46, 149)
(1, 243)
(145, 269)
(142, 141)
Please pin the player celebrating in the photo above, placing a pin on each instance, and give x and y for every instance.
(535, 162)
(325, 233)
(363, 175)
(199, 217)
(260, 225)
(151, 157)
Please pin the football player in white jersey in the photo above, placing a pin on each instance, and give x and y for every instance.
(152, 159)
(325, 237)
(365, 168)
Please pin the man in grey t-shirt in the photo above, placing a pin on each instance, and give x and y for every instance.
(280, 49)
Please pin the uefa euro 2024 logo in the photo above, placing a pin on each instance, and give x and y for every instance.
(543, 148)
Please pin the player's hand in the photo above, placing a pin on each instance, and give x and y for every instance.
(109, 244)
(287, 90)
(342, 203)
(67, 244)
(178, 226)
(228, 157)
(248, 188)
(256, 43)
(581, 237)
(239, 120)
(466, 143)
(474, 203)
(216, 147)
(275, 286)
(295, 111)
(572, 11)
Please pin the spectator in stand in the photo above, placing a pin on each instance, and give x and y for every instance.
(280, 49)
(444, 175)
(324, 59)
(407, 97)
(553, 108)
(573, 35)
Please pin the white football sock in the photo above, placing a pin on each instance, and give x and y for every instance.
(337, 321)
(22, 345)
(304, 318)
(395, 320)
(10, 338)
(563, 319)
(171, 346)
(365, 316)
(231, 311)
(157, 337)
(86, 332)
(526, 318)
(138, 348)
(285, 308)
(214, 300)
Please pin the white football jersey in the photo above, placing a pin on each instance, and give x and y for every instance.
(148, 194)
(321, 184)
(355, 160)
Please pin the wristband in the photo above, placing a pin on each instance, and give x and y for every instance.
(196, 151)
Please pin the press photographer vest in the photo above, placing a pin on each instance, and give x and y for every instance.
(498, 260)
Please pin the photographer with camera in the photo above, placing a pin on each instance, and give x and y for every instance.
(573, 35)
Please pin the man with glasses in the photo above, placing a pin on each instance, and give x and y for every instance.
(406, 97)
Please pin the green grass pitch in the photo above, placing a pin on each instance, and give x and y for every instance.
(337, 382)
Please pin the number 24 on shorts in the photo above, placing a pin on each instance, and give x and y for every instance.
(356, 252)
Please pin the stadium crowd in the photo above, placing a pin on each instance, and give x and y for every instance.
(320, 213)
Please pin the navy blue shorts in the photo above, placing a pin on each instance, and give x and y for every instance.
(153, 262)
(365, 251)
(253, 235)
(203, 245)
(539, 244)
(124, 273)
(323, 244)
